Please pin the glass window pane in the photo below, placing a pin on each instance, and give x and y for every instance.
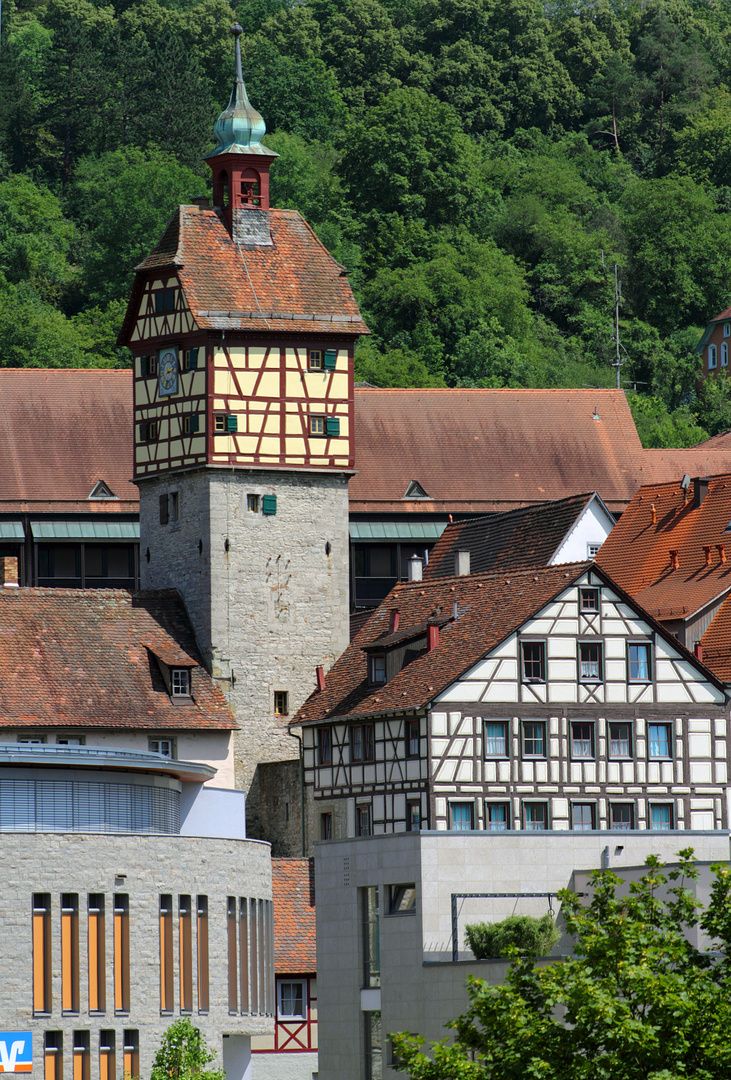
(497, 817)
(659, 740)
(582, 743)
(619, 740)
(461, 814)
(661, 817)
(496, 741)
(534, 742)
(621, 816)
(582, 816)
(535, 816)
(639, 662)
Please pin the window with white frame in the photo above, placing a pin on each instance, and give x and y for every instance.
(658, 742)
(292, 999)
(166, 747)
(638, 661)
(590, 661)
(180, 682)
(724, 354)
(711, 357)
(620, 740)
(496, 739)
(727, 329)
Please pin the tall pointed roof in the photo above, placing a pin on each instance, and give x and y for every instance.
(240, 128)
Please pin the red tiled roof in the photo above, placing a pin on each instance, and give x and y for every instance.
(492, 450)
(637, 555)
(722, 441)
(82, 658)
(527, 536)
(61, 431)
(725, 314)
(293, 891)
(292, 285)
(489, 607)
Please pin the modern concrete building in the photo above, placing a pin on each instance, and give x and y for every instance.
(391, 913)
(131, 896)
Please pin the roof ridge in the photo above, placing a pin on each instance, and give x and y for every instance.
(439, 582)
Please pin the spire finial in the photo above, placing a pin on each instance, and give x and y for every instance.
(237, 30)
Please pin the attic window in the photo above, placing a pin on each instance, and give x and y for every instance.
(101, 491)
(180, 682)
(377, 669)
(415, 491)
(164, 300)
(165, 747)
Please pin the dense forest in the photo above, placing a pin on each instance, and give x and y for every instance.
(479, 166)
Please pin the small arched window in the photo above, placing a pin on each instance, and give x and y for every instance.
(711, 357)
(724, 354)
(250, 188)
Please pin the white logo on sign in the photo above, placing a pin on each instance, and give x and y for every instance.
(7, 1060)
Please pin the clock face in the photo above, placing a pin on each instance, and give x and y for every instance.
(168, 369)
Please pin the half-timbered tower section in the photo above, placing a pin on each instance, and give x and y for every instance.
(546, 699)
(243, 327)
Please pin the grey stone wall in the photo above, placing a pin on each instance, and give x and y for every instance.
(142, 867)
(268, 595)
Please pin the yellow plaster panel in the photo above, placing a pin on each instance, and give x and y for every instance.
(140, 395)
(296, 446)
(269, 385)
(247, 382)
(176, 448)
(270, 446)
(247, 444)
(223, 383)
(342, 461)
(238, 356)
(271, 424)
(254, 425)
(273, 360)
(257, 355)
(339, 384)
(293, 387)
(136, 333)
(225, 444)
(142, 454)
(158, 325)
(293, 424)
(316, 383)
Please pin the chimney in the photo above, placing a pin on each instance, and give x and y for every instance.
(698, 650)
(461, 563)
(707, 549)
(10, 572)
(721, 549)
(674, 560)
(202, 202)
(654, 513)
(700, 490)
(416, 568)
(393, 620)
(432, 637)
(320, 679)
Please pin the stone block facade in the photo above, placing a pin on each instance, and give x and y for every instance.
(267, 593)
(141, 868)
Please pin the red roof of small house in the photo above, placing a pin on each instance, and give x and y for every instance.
(61, 432)
(294, 284)
(527, 536)
(722, 441)
(293, 891)
(89, 658)
(480, 610)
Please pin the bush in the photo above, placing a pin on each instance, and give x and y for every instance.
(531, 937)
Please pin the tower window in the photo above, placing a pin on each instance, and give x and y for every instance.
(281, 702)
(225, 423)
(252, 504)
(317, 425)
(315, 360)
(251, 188)
(164, 300)
(191, 424)
(190, 360)
(148, 431)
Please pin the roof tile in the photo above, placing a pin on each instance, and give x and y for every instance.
(293, 890)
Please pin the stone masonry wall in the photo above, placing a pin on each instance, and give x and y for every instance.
(268, 595)
(143, 867)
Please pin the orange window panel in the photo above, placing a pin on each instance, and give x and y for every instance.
(244, 953)
(97, 955)
(70, 952)
(131, 1067)
(166, 953)
(107, 1062)
(203, 969)
(185, 945)
(41, 953)
(53, 1055)
(121, 953)
(82, 1056)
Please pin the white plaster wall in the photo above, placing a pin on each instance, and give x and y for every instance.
(237, 1057)
(284, 1067)
(207, 811)
(593, 527)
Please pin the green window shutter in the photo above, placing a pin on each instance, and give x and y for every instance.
(143, 367)
(269, 504)
(331, 356)
(332, 425)
(193, 423)
(192, 359)
(143, 431)
(232, 422)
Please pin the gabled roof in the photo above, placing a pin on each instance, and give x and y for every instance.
(61, 430)
(86, 658)
(489, 607)
(722, 441)
(637, 552)
(293, 892)
(528, 536)
(294, 284)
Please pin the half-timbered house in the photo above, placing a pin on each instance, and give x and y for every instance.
(542, 699)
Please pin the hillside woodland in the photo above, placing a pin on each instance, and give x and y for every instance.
(479, 167)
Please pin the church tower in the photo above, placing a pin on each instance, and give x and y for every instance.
(242, 328)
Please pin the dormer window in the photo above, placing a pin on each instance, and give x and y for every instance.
(101, 491)
(164, 300)
(377, 668)
(180, 682)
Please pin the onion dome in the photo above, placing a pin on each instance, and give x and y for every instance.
(240, 128)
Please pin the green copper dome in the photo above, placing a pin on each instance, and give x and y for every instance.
(240, 128)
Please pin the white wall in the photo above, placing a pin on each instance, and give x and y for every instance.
(214, 812)
(593, 527)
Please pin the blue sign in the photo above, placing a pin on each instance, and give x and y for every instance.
(16, 1051)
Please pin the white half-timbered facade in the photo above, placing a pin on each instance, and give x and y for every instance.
(583, 714)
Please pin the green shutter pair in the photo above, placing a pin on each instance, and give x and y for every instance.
(232, 422)
(331, 356)
(192, 359)
(193, 423)
(332, 425)
(269, 505)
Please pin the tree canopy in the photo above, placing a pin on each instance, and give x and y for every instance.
(646, 994)
(478, 166)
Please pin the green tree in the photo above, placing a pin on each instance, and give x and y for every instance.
(122, 202)
(638, 1000)
(184, 1054)
(35, 238)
